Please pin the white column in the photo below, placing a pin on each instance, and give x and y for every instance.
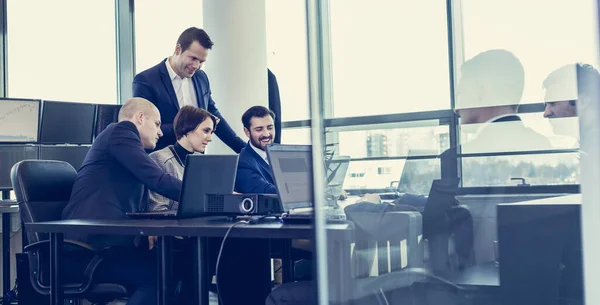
(237, 64)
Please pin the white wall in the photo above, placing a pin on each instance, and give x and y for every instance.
(237, 64)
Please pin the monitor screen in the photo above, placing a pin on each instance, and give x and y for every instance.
(336, 171)
(19, 120)
(67, 123)
(105, 115)
(73, 155)
(292, 170)
(9, 156)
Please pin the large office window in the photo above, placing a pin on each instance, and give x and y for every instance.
(543, 34)
(157, 27)
(62, 50)
(388, 57)
(540, 48)
(383, 154)
(287, 55)
(295, 136)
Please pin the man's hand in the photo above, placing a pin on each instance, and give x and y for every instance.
(152, 240)
(343, 195)
(372, 198)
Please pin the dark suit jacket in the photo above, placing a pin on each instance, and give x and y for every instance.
(275, 104)
(254, 175)
(155, 85)
(112, 181)
(499, 139)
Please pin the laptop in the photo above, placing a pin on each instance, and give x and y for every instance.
(407, 183)
(292, 171)
(204, 174)
(336, 175)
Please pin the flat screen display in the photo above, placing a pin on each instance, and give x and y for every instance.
(67, 123)
(19, 120)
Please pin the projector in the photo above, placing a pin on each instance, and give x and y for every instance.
(243, 204)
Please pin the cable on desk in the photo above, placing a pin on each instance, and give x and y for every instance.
(219, 256)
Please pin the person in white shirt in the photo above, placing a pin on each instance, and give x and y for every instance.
(178, 81)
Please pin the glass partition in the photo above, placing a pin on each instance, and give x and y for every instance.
(476, 206)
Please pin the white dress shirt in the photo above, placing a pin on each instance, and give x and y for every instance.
(184, 88)
(260, 152)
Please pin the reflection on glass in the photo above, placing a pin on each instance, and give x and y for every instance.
(403, 176)
(393, 142)
(542, 46)
(547, 169)
(501, 136)
(526, 234)
(487, 99)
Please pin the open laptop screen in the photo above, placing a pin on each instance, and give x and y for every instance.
(292, 172)
(336, 175)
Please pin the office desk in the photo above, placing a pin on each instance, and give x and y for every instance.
(199, 229)
(7, 207)
(535, 238)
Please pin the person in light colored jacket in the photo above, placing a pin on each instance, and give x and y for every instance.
(193, 129)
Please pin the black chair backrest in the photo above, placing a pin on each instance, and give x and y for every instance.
(43, 189)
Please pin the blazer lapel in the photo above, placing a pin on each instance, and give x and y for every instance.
(199, 88)
(166, 80)
(261, 162)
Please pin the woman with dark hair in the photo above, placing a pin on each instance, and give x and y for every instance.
(193, 129)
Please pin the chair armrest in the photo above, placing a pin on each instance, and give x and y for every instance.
(88, 273)
(70, 243)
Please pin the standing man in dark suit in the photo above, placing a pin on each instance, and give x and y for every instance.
(274, 103)
(178, 81)
(254, 173)
(113, 180)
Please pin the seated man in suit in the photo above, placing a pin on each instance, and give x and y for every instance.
(254, 174)
(113, 180)
(178, 81)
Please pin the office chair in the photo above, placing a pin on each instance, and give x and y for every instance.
(378, 237)
(43, 189)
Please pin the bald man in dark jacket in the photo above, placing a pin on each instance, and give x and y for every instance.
(113, 180)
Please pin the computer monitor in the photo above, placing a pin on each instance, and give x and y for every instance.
(19, 120)
(336, 175)
(67, 123)
(73, 155)
(11, 155)
(105, 115)
(292, 172)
